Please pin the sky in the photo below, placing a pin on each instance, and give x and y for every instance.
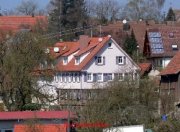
(10, 4)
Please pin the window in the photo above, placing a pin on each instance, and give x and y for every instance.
(99, 60)
(60, 77)
(70, 77)
(135, 76)
(89, 77)
(65, 60)
(63, 77)
(120, 59)
(121, 76)
(126, 76)
(8, 130)
(67, 77)
(109, 77)
(77, 60)
(99, 77)
(110, 45)
(78, 77)
(174, 47)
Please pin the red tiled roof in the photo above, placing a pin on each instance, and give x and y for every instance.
(35, 114)
(173, 67)
(71, 65)
(165, 30)
(41, 128)
(15, 23)
(145, 67)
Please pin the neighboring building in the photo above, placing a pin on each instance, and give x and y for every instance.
(161, 44)
(170, 80)
(177, 14)
(86, 66)
(21, 23)
(41, 128)
(8, 120)
(145, 69)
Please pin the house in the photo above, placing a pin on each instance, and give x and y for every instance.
(12, 121)
(21, 23)
(177, 14)
(41, 128)
(145, 68)
(170, 80)
(161, 44)
(86, 66)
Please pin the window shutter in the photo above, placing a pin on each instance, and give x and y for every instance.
(95, 58)
(105, 77)
(124, 60)
(94, 77)
(103, 60)
(85, 77)
(117, 60)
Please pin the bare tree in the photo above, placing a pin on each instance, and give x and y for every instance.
(27, 7)
(123, 103)
(104, 10)
(143, 9)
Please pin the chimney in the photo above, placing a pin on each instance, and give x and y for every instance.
(84, 41)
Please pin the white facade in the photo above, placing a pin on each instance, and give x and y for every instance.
(113, 63)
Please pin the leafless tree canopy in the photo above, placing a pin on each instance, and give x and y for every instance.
(143, 9)
(27, 7)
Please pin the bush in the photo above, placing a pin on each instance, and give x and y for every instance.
(32, 106)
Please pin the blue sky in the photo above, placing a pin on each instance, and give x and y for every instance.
(10, 4)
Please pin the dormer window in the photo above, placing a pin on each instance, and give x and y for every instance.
(174, 47)
(109, 45)
(77, 60)
(65, 60)
(171, 35)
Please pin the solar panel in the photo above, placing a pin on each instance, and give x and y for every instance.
(155, 40)
(156, 43)
(154, 34)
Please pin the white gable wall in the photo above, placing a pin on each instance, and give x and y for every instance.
(110, 61)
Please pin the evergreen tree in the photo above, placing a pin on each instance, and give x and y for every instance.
(170, 16)
(130, 44)
(67, 15)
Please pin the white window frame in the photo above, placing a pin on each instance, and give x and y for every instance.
(78, 77)
(77, 60)
(60, 77)
(91, 77)
(120, 58)
(65, 60)
(99, 75)
(101, 59)
(70, 77)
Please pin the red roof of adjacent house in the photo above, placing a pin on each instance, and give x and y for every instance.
(94, 46)
(15, 23)
(35, 114)
(168, 41)
(41, 128)
(145, 67)
(173, 67)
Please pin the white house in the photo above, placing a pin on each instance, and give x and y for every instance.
(85, 66)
